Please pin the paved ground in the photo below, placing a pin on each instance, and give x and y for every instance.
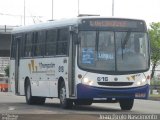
(15, 106)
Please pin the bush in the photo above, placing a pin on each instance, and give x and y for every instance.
(7, 70)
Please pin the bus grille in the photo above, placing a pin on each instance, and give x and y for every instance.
(115, 83)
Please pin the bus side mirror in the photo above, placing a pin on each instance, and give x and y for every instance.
(76, 38)
(73, 29)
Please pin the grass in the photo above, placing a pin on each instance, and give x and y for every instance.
(154, 95)
(155, 82)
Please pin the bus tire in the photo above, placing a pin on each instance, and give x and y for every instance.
(40, 100)
(126, 104)
(29, 99)
(83, 102)
(65, 103)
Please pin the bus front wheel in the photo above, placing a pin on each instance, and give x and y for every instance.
(65, 103)
(83, 102)
(126, 104)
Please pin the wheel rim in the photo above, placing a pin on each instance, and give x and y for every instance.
(62, 95)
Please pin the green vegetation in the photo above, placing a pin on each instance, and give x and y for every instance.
(155, 81)
(154, 33)
(7, 70)
(153, 95)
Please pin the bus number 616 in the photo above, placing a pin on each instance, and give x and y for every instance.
(102, 79)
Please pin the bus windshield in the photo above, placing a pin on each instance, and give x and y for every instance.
(113, 51)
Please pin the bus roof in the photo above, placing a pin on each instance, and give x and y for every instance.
(58, 23)
(45, 25)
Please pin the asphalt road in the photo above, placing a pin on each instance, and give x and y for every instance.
(12, 106)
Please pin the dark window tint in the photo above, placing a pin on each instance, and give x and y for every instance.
(51, 38)
(13, 48)
(62, 43)
(28, 44)
(38, 44)
(22, 45)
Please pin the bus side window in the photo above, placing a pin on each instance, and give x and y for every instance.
(13, 48)
(22, 46)
(28, 44)
(51, 37)
(34, 44)
(40, 43)
(62, 41)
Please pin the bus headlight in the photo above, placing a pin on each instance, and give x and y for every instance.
(138, 83)
(87, 81)
(142, 82)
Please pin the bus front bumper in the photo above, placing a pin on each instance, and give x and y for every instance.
(90, 92)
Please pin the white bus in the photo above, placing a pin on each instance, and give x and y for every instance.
(81, 61)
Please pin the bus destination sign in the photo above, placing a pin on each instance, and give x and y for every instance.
(97, 23)
(119, 24)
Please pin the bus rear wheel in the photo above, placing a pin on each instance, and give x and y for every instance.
(65, 103)
(126, 104)
(31, 99)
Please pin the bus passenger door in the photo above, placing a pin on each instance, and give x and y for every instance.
(17, 57)
(71, 65)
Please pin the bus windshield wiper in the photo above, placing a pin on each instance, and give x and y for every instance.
(126, 40)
